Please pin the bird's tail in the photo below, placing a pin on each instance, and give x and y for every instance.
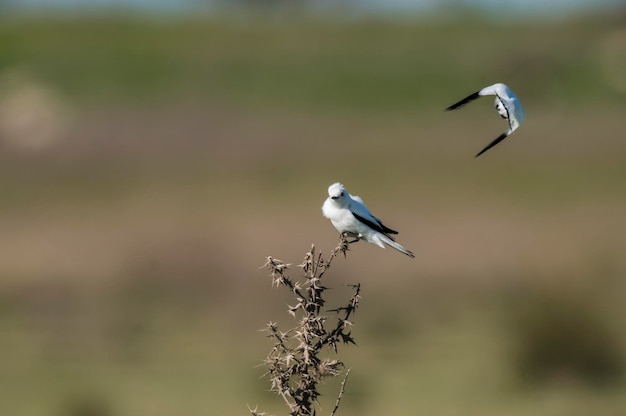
(395, 245)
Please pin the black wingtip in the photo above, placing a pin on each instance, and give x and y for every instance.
(464, 101)
(482, 151)
(389, 230)
(492, 144)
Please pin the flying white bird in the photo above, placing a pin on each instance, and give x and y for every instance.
(507, 105)
(351, 217)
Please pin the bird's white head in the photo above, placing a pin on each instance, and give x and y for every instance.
(337, 192)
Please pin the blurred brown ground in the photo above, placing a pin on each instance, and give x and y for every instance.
(133, 232)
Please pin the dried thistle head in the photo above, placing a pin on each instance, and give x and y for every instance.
(329, 368)
(275, 265)
(277, 270)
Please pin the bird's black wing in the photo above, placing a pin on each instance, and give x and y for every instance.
(378, 226)
(464, 101)
(493, 143)
(387, 229)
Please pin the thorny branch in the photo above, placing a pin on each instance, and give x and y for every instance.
(295, 364)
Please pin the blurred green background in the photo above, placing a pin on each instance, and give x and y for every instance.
(151, 161)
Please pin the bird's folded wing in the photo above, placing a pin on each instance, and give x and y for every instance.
(372, 223)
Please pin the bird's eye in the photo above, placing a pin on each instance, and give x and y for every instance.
(342, 193)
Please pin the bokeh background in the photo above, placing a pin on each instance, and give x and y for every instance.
(153, 153)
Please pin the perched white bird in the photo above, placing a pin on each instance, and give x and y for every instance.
(507, 105)
(351, 217)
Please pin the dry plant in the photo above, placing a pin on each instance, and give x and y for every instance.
(296, 363)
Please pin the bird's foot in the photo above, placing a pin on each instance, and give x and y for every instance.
(345, 235)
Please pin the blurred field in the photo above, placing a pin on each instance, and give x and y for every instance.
(148, 167)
